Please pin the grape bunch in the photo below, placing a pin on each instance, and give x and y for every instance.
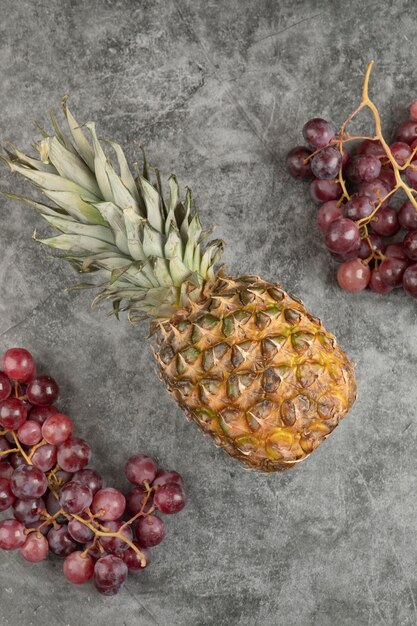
(355, 189)
(60, 505)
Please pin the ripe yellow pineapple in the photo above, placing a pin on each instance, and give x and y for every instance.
(247, 362)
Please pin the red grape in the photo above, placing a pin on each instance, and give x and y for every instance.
(135, 499)
(373, 242)
(79, 531)
(12, 413)
(140, 468)
(392, 270)
(407, 216)
(6, 470)
(377, 284)
(342, 236)
(296, 163)
(74, 455)
(325, 190)
(150, 531)
(110, 502)
(35, 548)
(364, 168)
(133, 560)
(5, 387)
(57, 429)
(352, 276)
(7, 497)
(45, 457)
(375, 191)
(16, 459)
(167, 476)
(358, 207)
(89, 477)
(387, 177)
(42, 391)
(371, 146)
(170, 498)
(18, 364)
(60, 541)
(410, 280)
(110, 572)
(41, 413)
(74, 497)
(328, 213)
(318, 132)
(115, 545)
(406, 132)
(28, 482)
(400, 151)
(53, 506)
(29, 511)
(385, 221)
(396, 250)
(325, 164)
(29, 433)
(411, 175)
(410, 245)
(78, 567)
(12, 534)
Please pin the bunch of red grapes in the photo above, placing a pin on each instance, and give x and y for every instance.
(355, 191)
(58, 504)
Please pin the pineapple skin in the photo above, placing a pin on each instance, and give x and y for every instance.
(256, 371)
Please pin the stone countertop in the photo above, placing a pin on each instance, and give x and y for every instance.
(218, 92)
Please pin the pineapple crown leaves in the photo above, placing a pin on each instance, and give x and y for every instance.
(148, 252)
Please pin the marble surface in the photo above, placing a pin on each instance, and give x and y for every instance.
(218, 92)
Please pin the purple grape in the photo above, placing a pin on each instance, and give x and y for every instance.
(410, 245)
(60, 541)
(375, 191)
(296, 163)
(364, 168)
(29, 511)
(410, 280)
(392, 271)
(377, 284)
(110, 572)
(406, 132)
(114, 545)
(75, 498)
(400, 151)
(325, 190)
(358, 207)
(342, 236)
(79, 531)
(7, 496)
(376, 244)
(326, 164)
(407, 216)
(318, 132)
(28, 482)
(150, 531)
(89, 477)
(385, 221)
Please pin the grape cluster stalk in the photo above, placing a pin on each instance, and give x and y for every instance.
(59, 504)
(355, 190)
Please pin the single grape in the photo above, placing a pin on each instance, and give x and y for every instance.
(325, 190)
(18, 364)
(413, 110)
(42, 391)
(170, 498)
(400, 151)
(167, 476)
(328, 213)
(74, 455)
(75, 498)
(326, 164)
(79, 531)
(396, 250)
(342, 236)
(60, 541)
(28, 482)
(110, 572)
(29, 511)
(135, 499)
(35, 548)
(57, 429)
(108, 504)
(41, 413)
(12, 534)
(375, 191)
(150, 531)
(29, 434)
(392, 271)
(12, 413)
(16, 459)
(364, 168)
(89, 477)
(45, 457)
(6, 470)
(5, 387)
(406, 132)
(358, 207)
(371, 146)
(411, 176)
(7, 497)
(372, 242)
(318, 132)
(140, 468)
(410, 280)
(115, 545)
(78, 567)
(352, 276)
(385, 221)
(407, 216)
(296, 164)
(133, 560)
(387, 177)
(377, 284)
(410, 245)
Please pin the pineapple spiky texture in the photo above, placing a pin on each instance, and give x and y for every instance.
(246, 361)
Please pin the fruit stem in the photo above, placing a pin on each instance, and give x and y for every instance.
(20, 449)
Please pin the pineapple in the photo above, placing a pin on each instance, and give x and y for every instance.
(244, 360)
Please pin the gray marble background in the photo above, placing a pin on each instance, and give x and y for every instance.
(218, 92)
